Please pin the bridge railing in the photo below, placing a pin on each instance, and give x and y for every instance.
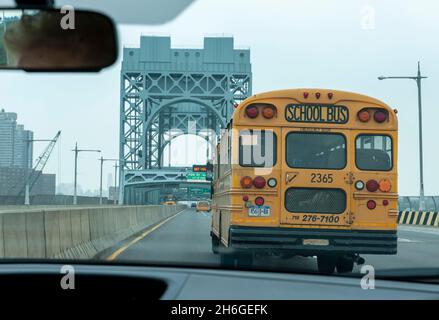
(406, 203)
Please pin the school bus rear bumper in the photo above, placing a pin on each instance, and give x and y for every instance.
(288, 240)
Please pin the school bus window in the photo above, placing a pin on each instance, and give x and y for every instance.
(373, 152)
(257, 148)
(316, 150)
(315, 200)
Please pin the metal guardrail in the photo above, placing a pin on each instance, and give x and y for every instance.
(407, 203)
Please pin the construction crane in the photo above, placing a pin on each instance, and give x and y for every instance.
(37, 170)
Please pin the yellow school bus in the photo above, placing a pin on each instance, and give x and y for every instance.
(309, 172)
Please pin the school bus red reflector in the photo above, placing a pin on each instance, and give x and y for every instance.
(371, 204)
(259, 201)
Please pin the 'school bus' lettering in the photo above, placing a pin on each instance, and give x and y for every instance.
(316, 113)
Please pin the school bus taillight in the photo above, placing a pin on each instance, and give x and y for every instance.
(246, 182)
(268, 112)
(259, 182)
(384, 185)
(372, 185)
(252, 111)
(363, 115)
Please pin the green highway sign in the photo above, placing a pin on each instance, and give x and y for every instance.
(199, 190)
(196, 176)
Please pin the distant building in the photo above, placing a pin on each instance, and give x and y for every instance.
(8, 123)
(12, 181)
(113, 195)
(15, 149)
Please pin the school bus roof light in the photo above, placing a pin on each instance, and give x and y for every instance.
(252, 111)
(318, 95)
(380, 116)
(246, 182)
(305, 95)
(330, 95)
(268, 112)
(363, 115)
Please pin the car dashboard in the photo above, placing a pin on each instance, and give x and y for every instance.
(135, 284)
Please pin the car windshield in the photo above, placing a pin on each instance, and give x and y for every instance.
(296, 124)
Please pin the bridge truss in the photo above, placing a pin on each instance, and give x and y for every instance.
(166, 93)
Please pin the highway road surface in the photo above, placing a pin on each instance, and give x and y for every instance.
(185, 239)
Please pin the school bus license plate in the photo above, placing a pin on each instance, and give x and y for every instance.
(259, 211)
(316, 242)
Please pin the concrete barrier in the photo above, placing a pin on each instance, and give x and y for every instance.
(73, 232)
(424, 218)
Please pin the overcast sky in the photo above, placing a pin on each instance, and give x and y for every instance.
(328, 44)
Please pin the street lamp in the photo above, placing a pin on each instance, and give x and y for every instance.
(418, 79)
(116, 166)
(102, 159)
(76, 150)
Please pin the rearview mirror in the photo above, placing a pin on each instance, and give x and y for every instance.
(54, 40)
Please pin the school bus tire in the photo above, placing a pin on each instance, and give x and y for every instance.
(215, 244)
(326, 264)
(239, 261)
(345, 264)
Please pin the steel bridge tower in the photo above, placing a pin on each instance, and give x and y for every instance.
(168, 92)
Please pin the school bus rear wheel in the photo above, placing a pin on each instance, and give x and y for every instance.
(215, 244)
(345, 264)
(326, 264)
(239, 261)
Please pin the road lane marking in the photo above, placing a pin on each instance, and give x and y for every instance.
(407, 240)
(427, 230)
(116, 253)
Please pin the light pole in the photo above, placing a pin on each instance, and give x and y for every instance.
(76, 150)
(418, 79)
(115, 181)
(29, 170)
(102, 159)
